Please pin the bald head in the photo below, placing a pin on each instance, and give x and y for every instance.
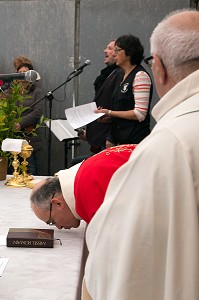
(42, 193)
(187, 20)
(175, 40)
(49, 205)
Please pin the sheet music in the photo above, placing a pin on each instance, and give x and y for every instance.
(82, 115)
(62, 129)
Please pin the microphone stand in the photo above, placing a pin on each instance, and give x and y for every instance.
(49, 97)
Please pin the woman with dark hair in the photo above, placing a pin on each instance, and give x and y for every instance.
(132, 94)
(31, 116)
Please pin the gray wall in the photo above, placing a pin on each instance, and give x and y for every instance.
(44, 32)
(50, 34)
(106, 19)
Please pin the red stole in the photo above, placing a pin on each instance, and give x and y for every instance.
(93, 176)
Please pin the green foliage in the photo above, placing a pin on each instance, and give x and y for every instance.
(10, 113)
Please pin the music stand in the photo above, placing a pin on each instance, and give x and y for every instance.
(64, 132)
(49, 97)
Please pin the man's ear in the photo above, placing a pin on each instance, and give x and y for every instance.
(59, 201)
(159, 70)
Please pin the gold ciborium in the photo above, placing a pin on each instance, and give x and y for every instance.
(17, 180)
(25, 153)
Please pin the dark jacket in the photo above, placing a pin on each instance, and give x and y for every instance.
(32, 116)
(96, 132)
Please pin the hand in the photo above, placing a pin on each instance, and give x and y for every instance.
(17, 126)
(109, 144)
(82, 134)
(103, 110)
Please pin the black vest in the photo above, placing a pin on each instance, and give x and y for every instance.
(128, 131)
(96, 132)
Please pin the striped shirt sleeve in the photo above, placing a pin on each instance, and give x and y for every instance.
(141, 90)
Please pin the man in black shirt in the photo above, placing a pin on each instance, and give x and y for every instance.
(96, 133)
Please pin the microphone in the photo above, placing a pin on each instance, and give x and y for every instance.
(87, 62)
(79, 70)
(30, 76)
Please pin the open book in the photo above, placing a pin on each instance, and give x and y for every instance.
(62, 129)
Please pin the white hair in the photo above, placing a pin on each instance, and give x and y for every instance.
(177, 47)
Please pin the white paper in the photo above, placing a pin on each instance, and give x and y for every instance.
(3, 240)
(3, 263)
(82, 115)
(62, 129)
(13, 144)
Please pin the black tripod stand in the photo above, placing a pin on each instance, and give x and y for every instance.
(49, 97)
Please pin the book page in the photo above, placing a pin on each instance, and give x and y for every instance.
(62, 129)
(82, 115)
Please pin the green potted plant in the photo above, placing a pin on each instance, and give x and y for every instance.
(10, 114)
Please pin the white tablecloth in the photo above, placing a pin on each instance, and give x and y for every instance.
(37, 273)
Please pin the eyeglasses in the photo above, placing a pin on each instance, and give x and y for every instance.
(51, 222)
(149, 61)
(117, 49)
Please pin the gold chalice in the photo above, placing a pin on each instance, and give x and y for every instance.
(25, 153)
(16, 180)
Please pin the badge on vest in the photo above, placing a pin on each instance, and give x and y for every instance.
(125, 88)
